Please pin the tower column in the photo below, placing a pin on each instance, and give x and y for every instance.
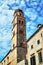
(19, 35)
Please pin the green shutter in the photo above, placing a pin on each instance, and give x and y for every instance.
(40, 57)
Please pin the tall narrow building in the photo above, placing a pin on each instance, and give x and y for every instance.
(19, 35)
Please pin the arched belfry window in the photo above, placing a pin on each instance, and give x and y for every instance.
(22, 22)
(20, 14)
(19, 21)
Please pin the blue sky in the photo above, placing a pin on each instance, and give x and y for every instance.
(33, 11)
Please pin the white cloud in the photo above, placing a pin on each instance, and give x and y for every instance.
(4, 6)
(31, 13)
(22, 3)
(3, 20)
(27, 0)
(29, 33)
(5, 34)
(40, 20)
(31, 24)
(10, 2)
(31, 27)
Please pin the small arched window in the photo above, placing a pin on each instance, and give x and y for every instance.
(19, 21)
(22, 22)
(4, 62)
(7, 57)
(20, 14)
(41, 34)
(31, 46)
(38, 41)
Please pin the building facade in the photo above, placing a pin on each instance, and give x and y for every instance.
(35, 47)
(24, 52)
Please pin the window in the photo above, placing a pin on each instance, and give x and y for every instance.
(31, 46)
(4, 62)
(21, 44)
(41, 34)
(20, 14)
(19, 21)
(33, 60)
(40, 57)
(22, 22)
(21, 31)
(7, 59)
(38, 41)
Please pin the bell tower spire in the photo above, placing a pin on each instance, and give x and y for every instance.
(19, 34)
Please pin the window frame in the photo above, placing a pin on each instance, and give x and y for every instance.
(32, 60)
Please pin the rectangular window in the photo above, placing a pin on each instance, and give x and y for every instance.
(19, 21)
(33, 60)
(41, 34)
(7, 60)
(40, 57)
(4, 62)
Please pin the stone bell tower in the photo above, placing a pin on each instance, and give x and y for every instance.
(19, 34)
